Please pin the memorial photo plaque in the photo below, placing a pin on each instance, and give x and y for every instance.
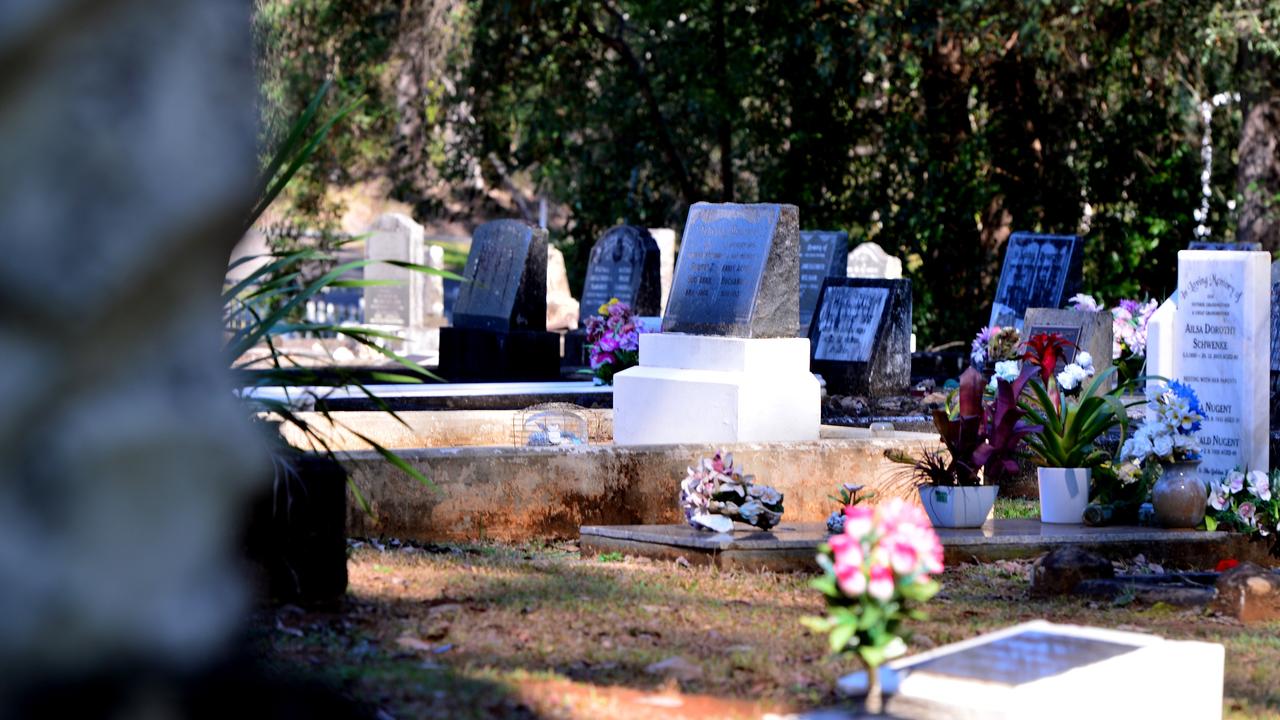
(1039, 271)
(823, 254)
(738, 272)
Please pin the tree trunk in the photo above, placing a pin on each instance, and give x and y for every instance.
(1258, 175)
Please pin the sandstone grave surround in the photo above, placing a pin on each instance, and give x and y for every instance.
(624, 264)
(1048, 671)
(563, 311)
(861, 336)
(413, 307)
(499, 319)
(727, 366)
(1038, 271)
(823, 254)
(1221, 336)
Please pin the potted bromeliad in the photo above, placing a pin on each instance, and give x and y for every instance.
(981, 440)
(1071, 416)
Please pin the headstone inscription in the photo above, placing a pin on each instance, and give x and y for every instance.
(1087, 331)
(738, 272)
(499, 318)
(624, 264)
(823, 254)
(861, 336)
(1038, 271)
(1223, 317)
(869, 260)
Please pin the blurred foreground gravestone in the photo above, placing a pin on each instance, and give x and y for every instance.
(127, 461)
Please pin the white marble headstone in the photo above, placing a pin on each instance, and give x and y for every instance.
(395, 237)
(1160, 340)
(1222, 350)
(869, 260)
(666, 239)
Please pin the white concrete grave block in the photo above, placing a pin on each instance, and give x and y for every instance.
(706, 389)
(1055, 672)
(1222, 343)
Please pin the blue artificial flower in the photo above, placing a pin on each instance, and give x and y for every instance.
(1193, 405)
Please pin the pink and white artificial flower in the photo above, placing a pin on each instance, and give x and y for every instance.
(881, 585)
(1259, 485)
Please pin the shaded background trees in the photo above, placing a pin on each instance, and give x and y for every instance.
(934, 129)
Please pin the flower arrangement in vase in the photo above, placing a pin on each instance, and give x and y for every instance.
(874, 574)
(1165, 449)
(613, 340)
(1246, 502)
(715, 494)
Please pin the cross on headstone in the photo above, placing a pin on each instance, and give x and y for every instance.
(823, 254)
(1039, 271)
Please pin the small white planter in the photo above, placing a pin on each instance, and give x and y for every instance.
(958, 507)
(1064, 493)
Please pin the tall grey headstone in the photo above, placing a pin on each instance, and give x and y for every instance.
(869, 260)
(1039, 271)
(738, 272)
(823, 254)
(624, 264)
(127, 461)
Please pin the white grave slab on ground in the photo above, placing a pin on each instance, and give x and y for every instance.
(1222, 350)
(1047, 671)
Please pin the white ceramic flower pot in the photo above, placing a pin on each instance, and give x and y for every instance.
(1064, 494)
(958, 507)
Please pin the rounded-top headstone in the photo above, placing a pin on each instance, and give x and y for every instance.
(624, 264)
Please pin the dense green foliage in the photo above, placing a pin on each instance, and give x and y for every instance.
(934, 129)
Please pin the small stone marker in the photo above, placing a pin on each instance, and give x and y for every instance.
(666, 239)
(562, 309)
(1087, 331)
(1044, 670)
(738, 272)
(823, 254)
(869, 260)
(624, 264)
(1038, 271)
(861, 336)
(1223, 319)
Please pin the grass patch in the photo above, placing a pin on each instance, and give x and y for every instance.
(1017, 509)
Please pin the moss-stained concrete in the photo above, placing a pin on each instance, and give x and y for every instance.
(515, 494)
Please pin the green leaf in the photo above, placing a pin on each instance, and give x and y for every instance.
(841, 636)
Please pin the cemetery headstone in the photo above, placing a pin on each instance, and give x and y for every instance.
(499, 318)
(1039, 271)
(861, 336)
(1087, 331)
(1223, 317)
(738, 272)
(395, 238)
(823, 254)
(727, 366)
(562, 309)
(666, 239)
(624, 264)
(1275, 346)
(869, 260)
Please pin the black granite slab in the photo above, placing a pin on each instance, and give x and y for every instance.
(624, 264)
(1039, 271)
(860, 339)
(823, 254)
(468, 354)
(506, 279)
(738, 272)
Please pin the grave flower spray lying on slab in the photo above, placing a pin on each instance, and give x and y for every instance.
(874, 572)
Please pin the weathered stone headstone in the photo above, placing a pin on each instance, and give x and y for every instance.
(1087, 331)
(869, 260)
(413, 306)
(1223, 318)
(666, 239)
(823, 254)
(1039, 271)
(861, 336)
(1044, 670)
(499, 319)
(738, 272)
(727, 366)
(624, 264)
(562, 309)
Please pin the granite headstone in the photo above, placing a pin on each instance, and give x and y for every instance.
(1039, 271)
(1087, 331)
(624, 264)
(823, 254)
(1275, 317)
(738, 272)
(395, 238)
(860, 338)
(869, 260)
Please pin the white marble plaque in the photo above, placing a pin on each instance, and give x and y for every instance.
(1222, 350)
(847, 322)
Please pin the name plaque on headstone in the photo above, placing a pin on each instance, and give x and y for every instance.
(1038, 271)
(823, 254)
(505, 284)
(738, 272)
(848, 322)
(1223, 316)
(624, 264)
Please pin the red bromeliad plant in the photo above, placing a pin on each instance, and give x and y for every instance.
(1043, 352)
(981, 435)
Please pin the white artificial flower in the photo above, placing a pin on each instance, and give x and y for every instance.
(1162, 445)
(1085, 361)
(1081, 301)
(1234, 481)
(1219, 496)
(750, 511)
(1259, 485)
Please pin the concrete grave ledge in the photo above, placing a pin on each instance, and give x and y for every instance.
(516, 494)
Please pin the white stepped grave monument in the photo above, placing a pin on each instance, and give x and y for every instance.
(727, 366)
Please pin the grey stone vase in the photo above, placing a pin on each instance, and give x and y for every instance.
(1179, 496)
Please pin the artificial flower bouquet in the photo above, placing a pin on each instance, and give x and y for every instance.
(1129, 320)
(875, 573)
(613, 340)
(715, 494)
(850, 494)
(1246, 502)
(1168, 436)
(994, 345)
